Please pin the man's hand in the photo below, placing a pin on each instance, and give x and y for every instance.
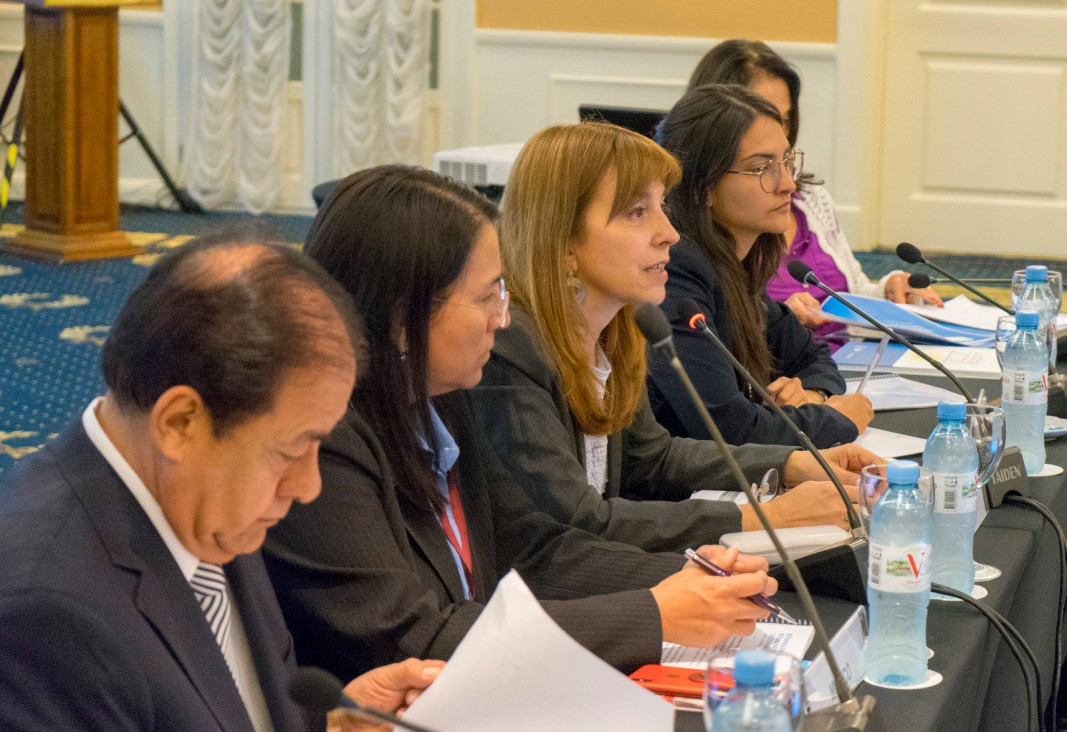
(391, 688)
(807, 309)
(898, 290)
(846, 460)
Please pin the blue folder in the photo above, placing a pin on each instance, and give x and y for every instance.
(907, 323)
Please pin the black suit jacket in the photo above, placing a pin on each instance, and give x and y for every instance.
(365, 576)
(99, 628)
(521, 404)
(795, 354)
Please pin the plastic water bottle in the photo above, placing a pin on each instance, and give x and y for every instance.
(951, 455)
(898, 580)
(1037, 296)
(1024, 389)
(751, 706)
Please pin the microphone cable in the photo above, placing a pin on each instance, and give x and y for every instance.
(1018, 647)
(1056, 666)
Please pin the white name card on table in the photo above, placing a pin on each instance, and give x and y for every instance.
(847, 645)
(517, 670)
(886, 444)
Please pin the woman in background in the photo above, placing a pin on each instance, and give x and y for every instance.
(731, 207)
(585, 238)
(813, 235)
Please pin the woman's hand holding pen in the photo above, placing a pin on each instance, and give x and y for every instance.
(698, 609)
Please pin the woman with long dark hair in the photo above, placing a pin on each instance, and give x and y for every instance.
(731, 208)
(814, 235)
(417, 520)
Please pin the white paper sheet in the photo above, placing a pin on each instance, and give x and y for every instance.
(889, 391)
(974, 363)
(772, 637)
(961, 310)
(517, 670)
(888, 444)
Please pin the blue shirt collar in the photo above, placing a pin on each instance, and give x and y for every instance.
(447, 449)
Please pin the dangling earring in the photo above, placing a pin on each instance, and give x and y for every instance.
(575, 285)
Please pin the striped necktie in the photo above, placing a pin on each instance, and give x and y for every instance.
(209, 586)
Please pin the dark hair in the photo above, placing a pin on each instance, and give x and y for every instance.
(704, 131)
(397, 238)
(738, 61)
(229, 317)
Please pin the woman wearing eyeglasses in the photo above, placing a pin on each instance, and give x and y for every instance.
(417, 521)
(814, 235)
(732, 207)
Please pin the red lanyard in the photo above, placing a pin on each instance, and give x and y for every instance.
(461, 543)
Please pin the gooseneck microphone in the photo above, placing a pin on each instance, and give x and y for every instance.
(320, 691)
(849, 713)
(803, 274)
(690, 312)
(918, 280)
(911, 254)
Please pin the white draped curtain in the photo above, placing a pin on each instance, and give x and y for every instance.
(381, 75)
(235, 148)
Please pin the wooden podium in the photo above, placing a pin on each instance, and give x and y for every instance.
(72, 108)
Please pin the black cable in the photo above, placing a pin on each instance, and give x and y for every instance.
(1044, 511)
(998, 622)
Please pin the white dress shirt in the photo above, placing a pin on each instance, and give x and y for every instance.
(238, 654)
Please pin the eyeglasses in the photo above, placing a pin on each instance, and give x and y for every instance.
(495, 308)
(770, 173)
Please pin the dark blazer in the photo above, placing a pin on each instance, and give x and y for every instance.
(365, 576)
(796, 354)
(98, 627)
(521, 404)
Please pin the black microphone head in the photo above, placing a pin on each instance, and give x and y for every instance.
(918, 280)
(799, 271)
(909, 253)
(690, 312)
(316, 689)
(652, 323)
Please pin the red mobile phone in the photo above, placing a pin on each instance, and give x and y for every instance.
(675, 681)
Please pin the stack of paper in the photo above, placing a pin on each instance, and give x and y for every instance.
(961, 310)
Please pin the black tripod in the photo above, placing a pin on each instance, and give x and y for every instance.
(182, 198)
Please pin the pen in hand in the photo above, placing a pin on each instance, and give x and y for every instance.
(761, 600)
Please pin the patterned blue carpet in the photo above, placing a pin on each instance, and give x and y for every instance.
(54, 319)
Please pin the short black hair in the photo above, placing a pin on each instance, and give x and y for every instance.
(229, 316)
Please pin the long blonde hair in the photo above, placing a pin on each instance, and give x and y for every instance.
(552, 183)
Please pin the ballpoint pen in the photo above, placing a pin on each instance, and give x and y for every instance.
(874, 363)
(762, 600)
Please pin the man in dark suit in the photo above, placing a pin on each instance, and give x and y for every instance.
(132, 593)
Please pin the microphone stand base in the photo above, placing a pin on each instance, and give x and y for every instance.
(837, 571)
(852, 715)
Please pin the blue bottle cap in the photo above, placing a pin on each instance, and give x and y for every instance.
(754, 668)
(903, 471)
(951, 410)
(1037, 273)
(1026, 319)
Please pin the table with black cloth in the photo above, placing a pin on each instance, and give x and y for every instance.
(983, 686)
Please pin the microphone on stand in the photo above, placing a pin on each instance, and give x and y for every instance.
(690, 312)
(911, 254)
(803, 274)
(918, 280)
(849, 713)
(839, 570)
(320, 691)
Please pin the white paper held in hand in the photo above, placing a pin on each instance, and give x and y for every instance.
(517, 670)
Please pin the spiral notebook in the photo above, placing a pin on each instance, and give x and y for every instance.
(771, 635)
(890, 391)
